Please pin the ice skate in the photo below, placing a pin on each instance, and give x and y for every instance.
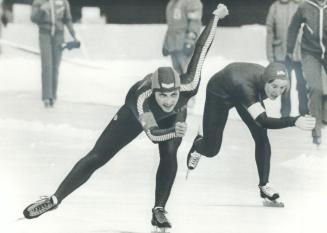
(270, 196)
(159, 220)
(193, 156)
(40, 207)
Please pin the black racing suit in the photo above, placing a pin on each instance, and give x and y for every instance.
(239, 85)
(141, 112)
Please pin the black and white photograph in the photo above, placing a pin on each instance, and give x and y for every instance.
(176, 116)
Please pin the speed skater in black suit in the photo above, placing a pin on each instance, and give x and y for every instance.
(245, 86)
(155, 105)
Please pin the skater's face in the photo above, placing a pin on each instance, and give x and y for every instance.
(276, 88)
(167, 100)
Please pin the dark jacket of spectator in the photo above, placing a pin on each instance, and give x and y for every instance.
(314, 39)
(51, 15)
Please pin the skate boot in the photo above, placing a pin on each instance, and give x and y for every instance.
(270, 196)
(159, 219)
(193, 156)
(40, 207)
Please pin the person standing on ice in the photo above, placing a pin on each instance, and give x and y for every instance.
(278, 19)
(51, 16)
(183, 28)
(245, 86)
(156, 105)
(312, 14)
(3, 18)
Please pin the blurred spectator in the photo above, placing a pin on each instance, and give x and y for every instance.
(51, 16)
(278, 19)
(313, 49)
(3, 20)
(184, 23)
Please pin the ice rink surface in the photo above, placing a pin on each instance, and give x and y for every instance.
(39, 146)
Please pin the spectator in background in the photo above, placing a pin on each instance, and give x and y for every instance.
(0, 22)
(51, 16)
(278, 19)
(184, 23)
(313, 14)
(3, 18)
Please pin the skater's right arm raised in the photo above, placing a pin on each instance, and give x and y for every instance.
(191, 80)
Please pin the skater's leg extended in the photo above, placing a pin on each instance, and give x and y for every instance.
(120, 131)
(262, 145)
(166, 171)
(262, 157)
(165, 177)
(214, 120)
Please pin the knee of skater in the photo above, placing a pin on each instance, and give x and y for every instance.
(168, 157)
(168, 165)
(211, 152)
(96, 159)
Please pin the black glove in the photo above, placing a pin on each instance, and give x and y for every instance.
(71, 45)
(4, 20)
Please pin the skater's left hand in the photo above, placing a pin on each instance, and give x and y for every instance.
(306, 122)
(180, 129)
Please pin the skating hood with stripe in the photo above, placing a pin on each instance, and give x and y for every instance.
(243, 84)
(141, 101)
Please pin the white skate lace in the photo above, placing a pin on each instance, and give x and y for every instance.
(194, 159)
(268, 190)
(41, 206)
